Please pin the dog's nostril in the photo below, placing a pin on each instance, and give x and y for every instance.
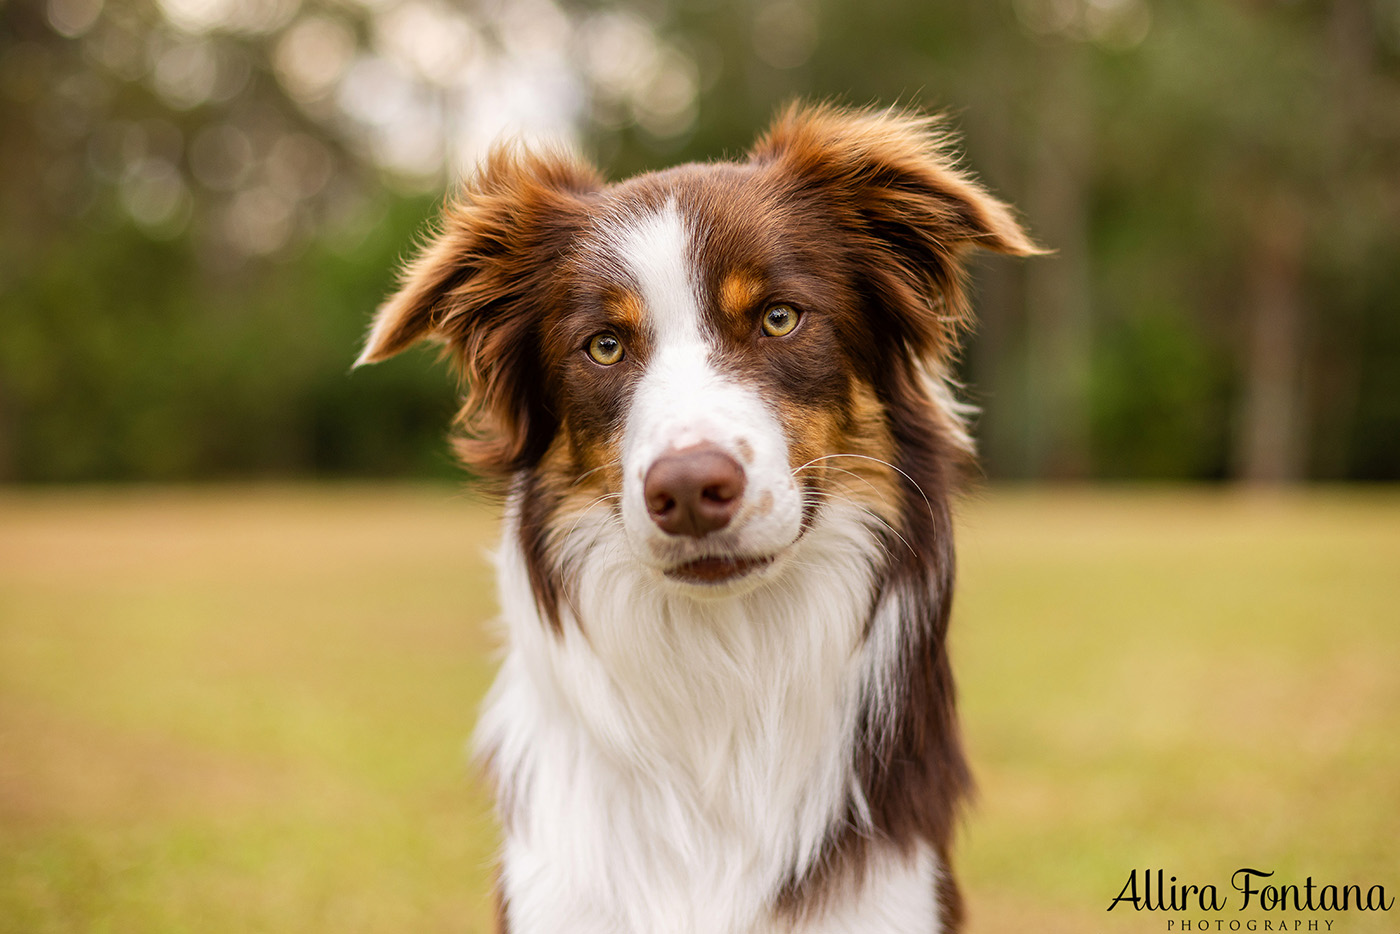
(729, 488)
(693, 491)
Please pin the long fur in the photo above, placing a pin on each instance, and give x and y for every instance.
(772, 747)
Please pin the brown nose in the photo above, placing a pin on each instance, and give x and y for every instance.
(693, 491)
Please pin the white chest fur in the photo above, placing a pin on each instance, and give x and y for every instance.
(669, 763)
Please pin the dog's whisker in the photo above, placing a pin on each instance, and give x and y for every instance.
(587, 509)
(588, 473)
(866, 480)
(912, 482)
(833, 497)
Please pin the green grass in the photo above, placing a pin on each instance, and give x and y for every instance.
(245, 709)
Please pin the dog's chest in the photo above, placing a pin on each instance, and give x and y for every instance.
(671, 770)
(598, 845)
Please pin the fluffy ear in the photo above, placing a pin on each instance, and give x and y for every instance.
(481, 286)
(892, 180)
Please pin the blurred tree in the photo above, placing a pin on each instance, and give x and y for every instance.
(203, 200)
(1058, 297)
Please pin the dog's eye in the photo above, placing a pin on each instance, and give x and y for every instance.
(605, 349)
(779, 320)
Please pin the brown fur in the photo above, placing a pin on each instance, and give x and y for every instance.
(739, 292)
(861, 222)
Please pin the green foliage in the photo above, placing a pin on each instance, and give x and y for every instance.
(1209, 176)
(1157, 409)
(126, 359)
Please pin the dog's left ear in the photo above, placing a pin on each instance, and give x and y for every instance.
(890, 179)
(482, 287)
(504, 231)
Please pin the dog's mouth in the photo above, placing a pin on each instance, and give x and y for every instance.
(716, 569)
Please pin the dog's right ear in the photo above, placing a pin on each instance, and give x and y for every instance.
(481, 286)
(519, 208)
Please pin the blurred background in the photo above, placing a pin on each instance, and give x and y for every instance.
(204, 200)
(242, 705)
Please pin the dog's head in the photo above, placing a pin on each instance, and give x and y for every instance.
(710, 354)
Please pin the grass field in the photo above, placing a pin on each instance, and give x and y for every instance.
(245, 709)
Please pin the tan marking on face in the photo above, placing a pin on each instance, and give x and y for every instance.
(846, 455)
(625, 307)
(738, 292)
(581, 475)
(810, 430)
(876, 484)
(744, 450)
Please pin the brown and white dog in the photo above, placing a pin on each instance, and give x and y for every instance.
(717, 396)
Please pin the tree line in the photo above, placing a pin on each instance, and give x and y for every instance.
(203, 203)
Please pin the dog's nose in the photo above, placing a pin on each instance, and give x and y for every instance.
(693, 491)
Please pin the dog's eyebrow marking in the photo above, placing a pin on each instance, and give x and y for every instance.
(737, 293)
(656, 249)
(625, 306)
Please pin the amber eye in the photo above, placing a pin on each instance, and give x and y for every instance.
(779, 320)
(605, 349)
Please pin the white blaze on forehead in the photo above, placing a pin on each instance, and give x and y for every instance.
(686, 398)
(682, 398)
(656, 250)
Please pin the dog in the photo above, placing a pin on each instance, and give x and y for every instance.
(717, 401)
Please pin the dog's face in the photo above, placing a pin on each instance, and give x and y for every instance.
(707, 356)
